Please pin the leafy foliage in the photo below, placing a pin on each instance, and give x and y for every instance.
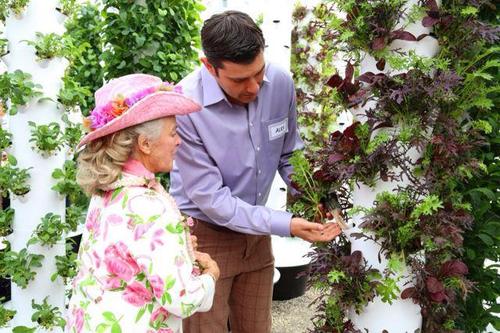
(47, 46)
(46, 138)
(46, 316)
(444, 222)
(6, 218)
(18, 266)
(6, 315)
(49, 231)
(12, 178)
(67, 184)
(17, 88)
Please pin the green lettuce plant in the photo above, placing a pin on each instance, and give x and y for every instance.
(46, 138)
(17, 88)
(48, 46)
(18, 266)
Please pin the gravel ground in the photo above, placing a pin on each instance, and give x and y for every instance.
(294, 315)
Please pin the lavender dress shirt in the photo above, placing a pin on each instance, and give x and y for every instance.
(229, 154)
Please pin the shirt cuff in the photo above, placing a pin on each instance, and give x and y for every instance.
(209, 285)
(280, 223)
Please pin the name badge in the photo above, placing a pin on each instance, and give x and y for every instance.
(277, 130)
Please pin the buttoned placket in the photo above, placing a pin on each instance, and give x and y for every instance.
(253, 127)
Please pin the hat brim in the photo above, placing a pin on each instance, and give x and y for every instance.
(158, 105)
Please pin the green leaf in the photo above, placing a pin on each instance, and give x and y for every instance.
(486, 239)
(109, 316)
(23, 329)
(116, 328)
(101, 328)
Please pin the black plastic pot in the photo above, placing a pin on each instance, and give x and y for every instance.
(5, 295)
(292, 282)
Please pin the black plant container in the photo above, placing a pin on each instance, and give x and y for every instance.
(292, 282)
(5, 295)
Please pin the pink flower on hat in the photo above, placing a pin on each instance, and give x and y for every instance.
(103, 114)
(131, 100)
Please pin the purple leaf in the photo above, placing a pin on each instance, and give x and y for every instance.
(335, 158)
(381, 64)
(403, 35)
(378, 43)
(349, 72)
(366, 77)
(422, 36)
(434, 285)
(429, 21)
(334, 81)
(432, 4)
(454, 268)
(408, 293)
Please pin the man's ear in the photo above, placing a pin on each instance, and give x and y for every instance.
(144, 145)
(211, 69)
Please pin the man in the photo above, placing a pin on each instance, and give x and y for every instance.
(225, 166)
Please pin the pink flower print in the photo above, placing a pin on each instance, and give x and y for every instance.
(119, 262)
(78, 319)
(113, 219)
(112, 197)
(141, 229)
(157, 284)
(93, 222)
(97, 259)
(179, 261)
(157, 239)
(160, 315)
(137, 294)
(178, 89)
(190, 221)
(113, 282)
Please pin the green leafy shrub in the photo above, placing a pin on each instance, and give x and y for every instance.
(49, 231)
(13, 179)
(46, 316)
(6, 315)
(17, 88)
(46, 138)
(6, 219)
(18, 266)
(48, 46)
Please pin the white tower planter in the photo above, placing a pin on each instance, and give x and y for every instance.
(39, 16)
(402, 315)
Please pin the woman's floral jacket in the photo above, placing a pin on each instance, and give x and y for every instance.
(136, 271)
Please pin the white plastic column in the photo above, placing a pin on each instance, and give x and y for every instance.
(403, 315)
(41, 16)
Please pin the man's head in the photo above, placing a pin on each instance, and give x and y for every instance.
(233, 45)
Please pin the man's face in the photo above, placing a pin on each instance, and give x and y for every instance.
(240, 82)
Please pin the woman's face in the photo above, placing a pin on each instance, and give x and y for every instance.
(163, 149)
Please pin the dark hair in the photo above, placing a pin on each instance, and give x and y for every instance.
(231, 36)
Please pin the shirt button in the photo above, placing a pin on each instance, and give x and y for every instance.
(258, 148)
(260, 194)
(259, 172)
(251, 124)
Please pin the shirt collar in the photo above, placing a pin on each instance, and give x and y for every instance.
(212, 92)
(136, 168)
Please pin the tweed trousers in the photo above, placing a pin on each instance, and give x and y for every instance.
(243, 293)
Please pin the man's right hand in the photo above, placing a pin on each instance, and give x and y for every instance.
(314, 232)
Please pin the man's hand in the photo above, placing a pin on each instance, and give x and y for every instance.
(314, 232)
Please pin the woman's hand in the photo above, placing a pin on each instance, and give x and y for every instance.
(208, 265)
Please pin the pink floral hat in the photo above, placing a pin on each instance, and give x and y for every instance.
(131, 100)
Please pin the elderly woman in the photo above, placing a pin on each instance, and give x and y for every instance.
(137, 269)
